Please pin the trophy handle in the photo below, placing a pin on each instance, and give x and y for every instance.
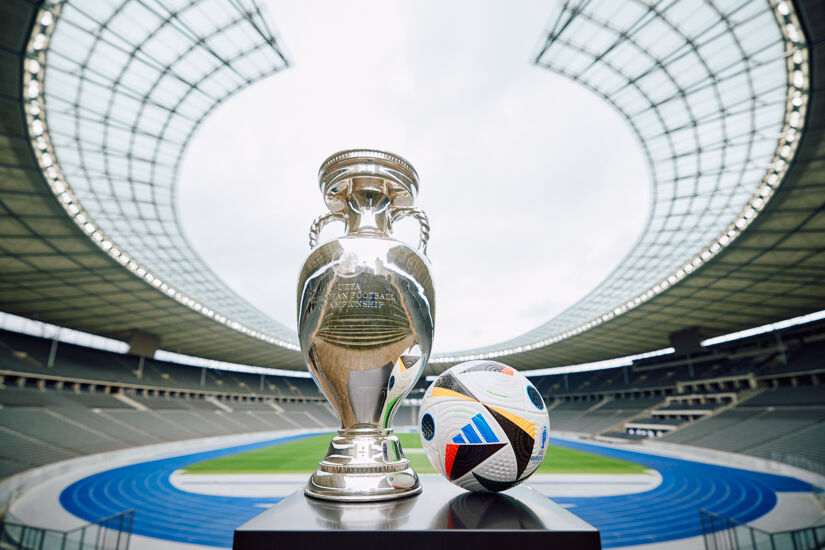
(423, 223)
(320, 222)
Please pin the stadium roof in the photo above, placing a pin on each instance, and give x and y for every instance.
(90, 154)
(101, 100)
(717, 94)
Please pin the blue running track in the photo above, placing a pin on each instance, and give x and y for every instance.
(671, 510)
(667, 512)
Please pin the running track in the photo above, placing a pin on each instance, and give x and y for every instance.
(667, 512)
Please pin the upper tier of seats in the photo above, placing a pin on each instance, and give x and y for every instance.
(770, 359)
(20, 353)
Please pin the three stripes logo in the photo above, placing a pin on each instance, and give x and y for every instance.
(476, 443)
(469, 434)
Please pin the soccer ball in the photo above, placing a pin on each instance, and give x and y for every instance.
(484, 426)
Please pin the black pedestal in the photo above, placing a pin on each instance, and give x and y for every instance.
(442, 516)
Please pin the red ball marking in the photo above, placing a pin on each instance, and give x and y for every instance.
(449, 457)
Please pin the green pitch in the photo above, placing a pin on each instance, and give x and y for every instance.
(302, 456)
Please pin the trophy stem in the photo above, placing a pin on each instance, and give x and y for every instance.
(363, 464)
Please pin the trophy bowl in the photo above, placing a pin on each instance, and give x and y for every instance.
(366, 307)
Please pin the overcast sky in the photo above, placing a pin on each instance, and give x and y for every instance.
(534, 187)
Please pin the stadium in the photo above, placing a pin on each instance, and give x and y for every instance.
(145, 403)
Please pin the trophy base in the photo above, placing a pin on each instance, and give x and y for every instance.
(363, 465)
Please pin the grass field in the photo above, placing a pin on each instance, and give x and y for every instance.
(302, 456)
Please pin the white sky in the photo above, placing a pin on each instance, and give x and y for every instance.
(535, 188)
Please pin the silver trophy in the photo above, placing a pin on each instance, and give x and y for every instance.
(365, 322)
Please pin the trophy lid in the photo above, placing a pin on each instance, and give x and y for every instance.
(343, 166)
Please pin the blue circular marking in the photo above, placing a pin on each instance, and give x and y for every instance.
(535, 397)
(427, 427)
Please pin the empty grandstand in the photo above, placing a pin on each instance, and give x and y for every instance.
(78, 401)
(762, 395)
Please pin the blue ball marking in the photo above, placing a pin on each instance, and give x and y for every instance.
(535, 398)
(427, 427)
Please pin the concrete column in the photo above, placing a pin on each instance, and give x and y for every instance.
(143, 344)
(781, 344)
(52, 353)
